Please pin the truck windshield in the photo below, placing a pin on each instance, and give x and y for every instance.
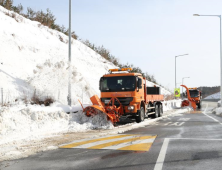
(118, 83)
(194, 93)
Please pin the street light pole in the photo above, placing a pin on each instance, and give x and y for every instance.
(220, 53)
(69, 98)
(183, 84)
(176, 69)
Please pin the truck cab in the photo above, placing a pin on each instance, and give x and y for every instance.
(196, 95)
(126, 87)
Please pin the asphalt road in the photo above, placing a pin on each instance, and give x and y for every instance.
(184, 141)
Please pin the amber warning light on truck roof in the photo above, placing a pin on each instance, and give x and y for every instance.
(121, 69)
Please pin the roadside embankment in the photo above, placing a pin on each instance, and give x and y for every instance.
(28, 130)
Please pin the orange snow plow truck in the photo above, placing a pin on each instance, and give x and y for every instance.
(195, 94)
(193, 98)
(125, 94)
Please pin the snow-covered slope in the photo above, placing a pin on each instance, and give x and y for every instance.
(35, 57)
(213, 96)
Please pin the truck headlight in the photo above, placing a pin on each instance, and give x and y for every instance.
(130, 107)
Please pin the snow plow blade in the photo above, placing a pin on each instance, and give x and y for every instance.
(112, 112)
(190, 102)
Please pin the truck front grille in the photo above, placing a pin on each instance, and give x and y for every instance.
(125, 101)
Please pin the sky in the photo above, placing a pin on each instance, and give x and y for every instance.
(149, 34)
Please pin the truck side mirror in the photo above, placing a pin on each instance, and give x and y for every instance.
(139, 83)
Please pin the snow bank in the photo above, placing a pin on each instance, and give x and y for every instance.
(218, 111)
(34, 122)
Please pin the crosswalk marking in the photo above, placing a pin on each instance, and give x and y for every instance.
(135, 142)
(122, 145)
(138, 147)
(100, 142)
(72, 145)
(118, 142)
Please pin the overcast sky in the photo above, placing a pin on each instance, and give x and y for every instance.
(149, 34)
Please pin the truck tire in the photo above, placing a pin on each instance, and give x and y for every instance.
(141, 115)
(160, 110)
(199, 105)
(156, 114)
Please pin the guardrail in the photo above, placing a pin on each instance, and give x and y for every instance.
(211, 100)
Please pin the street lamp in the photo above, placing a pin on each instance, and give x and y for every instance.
(69, 97)
(220, 52)
(182, 84)
(176, 68)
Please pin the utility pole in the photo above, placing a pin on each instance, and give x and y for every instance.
(69, 98)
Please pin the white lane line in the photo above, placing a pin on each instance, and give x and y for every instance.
(205, 110)
(130, 143)
(211, 117)
(194, 139)
(88, 145)
(162, 154)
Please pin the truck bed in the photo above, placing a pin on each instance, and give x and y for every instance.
(154, 97)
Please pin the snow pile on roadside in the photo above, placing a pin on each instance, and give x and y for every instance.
(213, 96)
(36, 122)
(218, 111)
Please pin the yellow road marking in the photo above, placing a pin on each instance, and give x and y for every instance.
(138, 147)
(120, 141)
(72, 145)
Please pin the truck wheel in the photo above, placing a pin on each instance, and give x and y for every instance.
(156, 111)
(141, 115)
(160, 110)
(199, 105)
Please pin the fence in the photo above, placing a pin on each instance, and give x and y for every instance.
(10, 97)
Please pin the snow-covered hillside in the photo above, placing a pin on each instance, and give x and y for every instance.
(213, 96)
(35, 57)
